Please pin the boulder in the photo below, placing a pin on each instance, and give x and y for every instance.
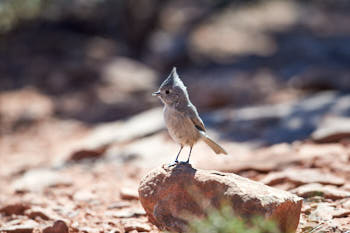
(171, 196)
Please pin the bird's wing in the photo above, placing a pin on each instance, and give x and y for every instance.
(192, 113)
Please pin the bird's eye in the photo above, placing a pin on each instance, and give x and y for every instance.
(167, 92)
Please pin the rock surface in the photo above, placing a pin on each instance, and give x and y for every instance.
(316, 189)
(14, 209)
(332, 129)
(287, 122)
(38, 179)
(24, 227)
(58, 227)
(302, 176)
(171, 195)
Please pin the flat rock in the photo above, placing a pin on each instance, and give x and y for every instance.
(321, 78)
(172, 196)
(126, 213)
(325, 211)
(84, 196)
(25, 227)
(17, 209)
(17, 229)
(326, 191)
(277, 123)
(39, 179)
(38, 212)
(130, 225)
(129, 194)
(262, 159)
(98, 140)
(302, 176)
(346, 204)
(121, 131)
(119, 205)
(332, 129)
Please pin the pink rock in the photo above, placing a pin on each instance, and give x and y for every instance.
(174, 196)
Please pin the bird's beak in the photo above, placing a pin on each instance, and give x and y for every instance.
(157, 93)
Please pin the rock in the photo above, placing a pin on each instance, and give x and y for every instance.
(119, 205)
(134, 153)
(126, 213)
(315, 189)
(36, 212)
(322, 78)
(88, 154)
(302, 176)
(38, 179)
(130, 225)
(332, 129)
(23, 227)
(24, 106)
(58, 227)
(125, 130)
(133, 231)
(129, 194)
(306, 116)
(17, 229)
(17, 209)
(268, 159)
(346, 204)
(84, 196)
(95, 144)
(346, 187)
(88, 230)
(120, 213)
(172, 196)
(325, 212)
(278, 123)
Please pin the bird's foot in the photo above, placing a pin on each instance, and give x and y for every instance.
(185, 162)
(176, 162)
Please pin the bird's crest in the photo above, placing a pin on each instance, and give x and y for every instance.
(172, 80)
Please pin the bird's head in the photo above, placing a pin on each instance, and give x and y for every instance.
(172, 90)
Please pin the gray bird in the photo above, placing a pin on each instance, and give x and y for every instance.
(181, 116)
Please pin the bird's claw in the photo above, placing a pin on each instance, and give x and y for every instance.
(173, 163)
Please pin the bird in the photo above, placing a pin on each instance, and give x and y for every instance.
(181, 117)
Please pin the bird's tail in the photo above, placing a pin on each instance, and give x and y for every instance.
(213, 145)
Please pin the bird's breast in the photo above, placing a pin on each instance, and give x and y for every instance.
(180, 127)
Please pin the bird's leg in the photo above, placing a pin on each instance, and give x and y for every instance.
(177, 156)
(189, 155)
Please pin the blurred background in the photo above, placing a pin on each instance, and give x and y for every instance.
(270, 79)
(98, 61)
